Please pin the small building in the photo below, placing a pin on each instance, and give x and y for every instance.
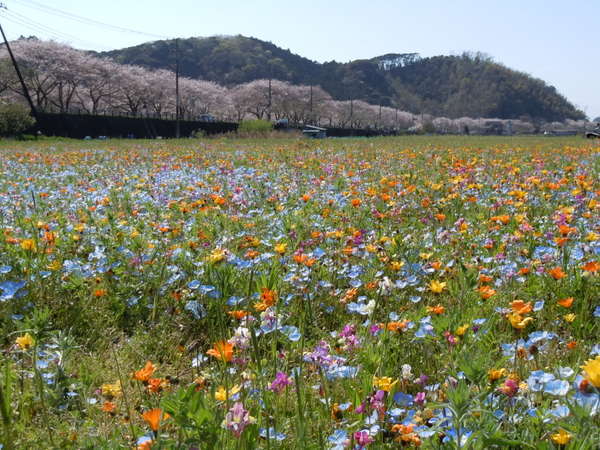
(314, 132)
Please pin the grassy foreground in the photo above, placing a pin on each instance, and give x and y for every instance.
(440, 292)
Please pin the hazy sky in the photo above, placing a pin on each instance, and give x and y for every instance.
(556, 41)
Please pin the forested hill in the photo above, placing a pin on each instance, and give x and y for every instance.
(451, 86)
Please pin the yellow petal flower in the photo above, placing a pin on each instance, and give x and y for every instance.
(222, 394)
(437, 287)
(384, 383)
(561, 438)
(592, 371)
(25, 342)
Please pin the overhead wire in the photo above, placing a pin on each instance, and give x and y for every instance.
(85, 20)
(37, 27)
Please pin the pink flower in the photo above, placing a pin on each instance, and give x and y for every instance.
(420, 398)
(363, 438)
(509, 388)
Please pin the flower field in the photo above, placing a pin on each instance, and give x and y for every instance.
(431, 292)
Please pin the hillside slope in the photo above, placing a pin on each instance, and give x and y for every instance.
(452, 86)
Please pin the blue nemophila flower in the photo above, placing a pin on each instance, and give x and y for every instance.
(10, 289)
(196, 309)
(559, 411)
(597, 312)
(292, 333)
(557, 387)
(338, 440)
(425, 329)
(339, 372)
(5, 269)
(538, 306)
(453, 435)
(272, 434)
(403, 399)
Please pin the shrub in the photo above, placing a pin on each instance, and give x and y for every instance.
(255, 127)
(14, 120)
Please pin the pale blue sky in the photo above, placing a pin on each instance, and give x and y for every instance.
(557, 41)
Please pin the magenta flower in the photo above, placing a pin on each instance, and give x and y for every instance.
(420, 398)
(363, 438)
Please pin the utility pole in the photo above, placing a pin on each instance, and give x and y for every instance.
(270, 100)
(177, 106)
(311, 104)
(16, 66)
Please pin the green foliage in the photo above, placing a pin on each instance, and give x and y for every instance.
(255, 127)
(14, 120)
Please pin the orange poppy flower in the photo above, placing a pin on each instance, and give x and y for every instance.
(396, 326)
(483, 278)
(154, 417)
(238, 314)
(520, 307)
(222, 350)
(144, 374)
(109, 407)
(267, 299)
(557, 273)
(591, 266)
(566, 302)
(156, 385)
(486, 292)
(438, 309)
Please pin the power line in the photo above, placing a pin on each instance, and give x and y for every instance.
(24, 21)
(85, 20)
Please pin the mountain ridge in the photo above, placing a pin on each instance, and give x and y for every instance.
(452, 86)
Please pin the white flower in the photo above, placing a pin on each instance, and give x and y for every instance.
(406, 371)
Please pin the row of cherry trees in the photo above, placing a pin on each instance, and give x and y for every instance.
(63, 79)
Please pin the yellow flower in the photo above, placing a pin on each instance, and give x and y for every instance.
(24, 342)
(222, 394)
(518, 321)
(216, 256)
(28, 244)
(592, 371)
(111, 390)
(561, 438)
(425, 255)
(281, 248)
(569, 317)
(437, 287)
(496, 374)
(396, 265)
(384, 383)
(592, 236)
(462, 330)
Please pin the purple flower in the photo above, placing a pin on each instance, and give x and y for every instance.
(237, 419)
(422, 380)
(420, 398)
(280, 382)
